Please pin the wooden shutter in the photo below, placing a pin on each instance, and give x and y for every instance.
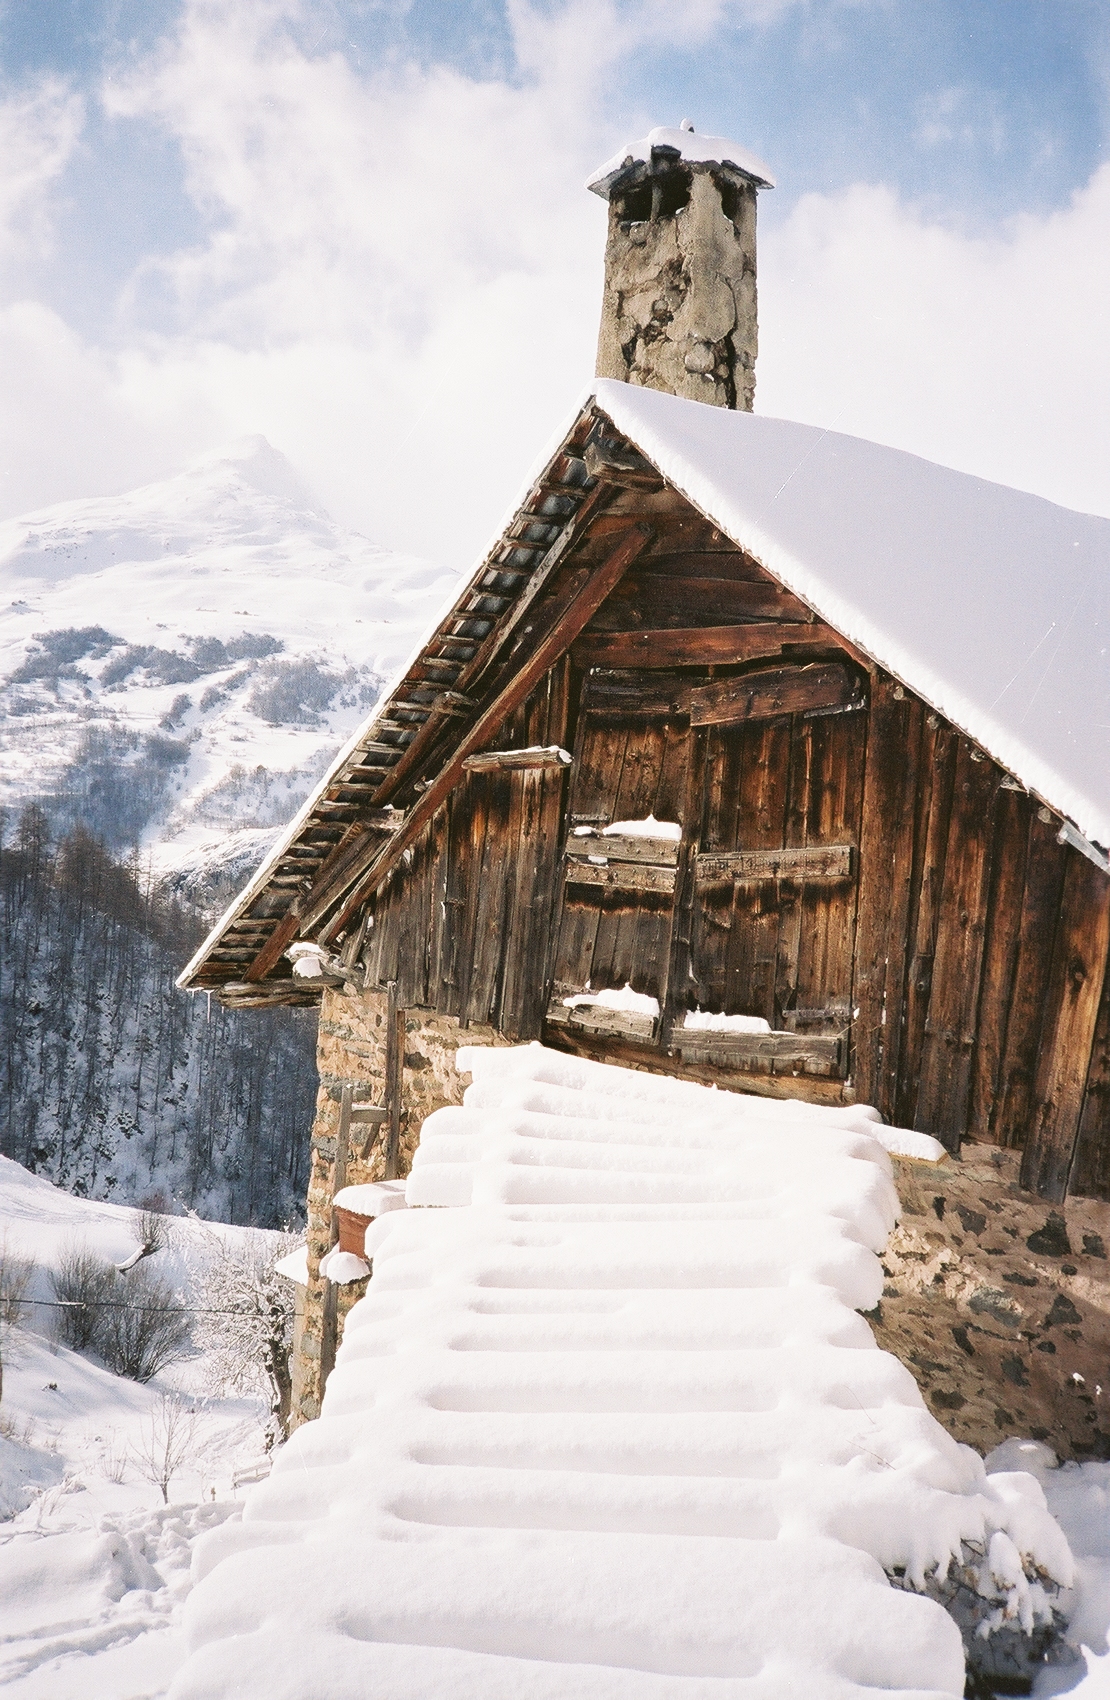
(618, 894)
(774, 905)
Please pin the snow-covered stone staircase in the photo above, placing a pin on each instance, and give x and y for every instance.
(610, 1426)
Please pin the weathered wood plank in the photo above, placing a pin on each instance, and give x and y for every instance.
(660, 599)
(584, 591)
(621, 876)
(1045, 862)
(759, 815)
(805, 862)
(763, 1053)
(595, 1018)
(944, 1082)
(891, 768)
(934, 803)
(1067, 1033)
(701, 646)
(828, 907)
(760, 696)
(1000, 954)
(489, 761)
(1090, 1177)
(619, 847)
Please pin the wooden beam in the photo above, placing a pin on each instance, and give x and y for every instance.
(596, 1018)
(571, 531)
(621, 876)
(616, 847)
(810, 862)
(700, 646)
(394, 1080)
(500, 761)
(587, 590)
(1067, 1035)
(763, 1053)
(763, 696)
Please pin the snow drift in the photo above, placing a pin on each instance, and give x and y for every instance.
(612, 1426)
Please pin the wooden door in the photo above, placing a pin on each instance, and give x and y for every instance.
(773, 910)
(618, 892)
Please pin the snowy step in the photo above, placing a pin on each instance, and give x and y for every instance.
(608, 1423)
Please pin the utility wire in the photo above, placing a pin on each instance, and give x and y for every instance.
(117, 1304)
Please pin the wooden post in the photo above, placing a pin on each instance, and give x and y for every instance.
(394, 1078)
(329, 1330)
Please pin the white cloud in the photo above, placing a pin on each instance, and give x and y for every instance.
(39, 127)
(991, 354)
(401, 274)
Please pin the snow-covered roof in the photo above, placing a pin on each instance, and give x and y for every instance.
(698, 150)
(612, 1427)
(992, 605)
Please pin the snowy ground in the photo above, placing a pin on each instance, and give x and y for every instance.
(93, 1565)
(95, 1570)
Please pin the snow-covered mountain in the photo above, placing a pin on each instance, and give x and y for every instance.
(177, 664)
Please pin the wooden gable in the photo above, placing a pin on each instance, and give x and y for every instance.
(851, 868)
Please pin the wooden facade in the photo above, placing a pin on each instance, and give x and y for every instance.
(851, 867)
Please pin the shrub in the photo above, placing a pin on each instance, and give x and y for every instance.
(16, 1275)
(293, 693)
(134, 1323)
(81, 1283)
(146, 1329)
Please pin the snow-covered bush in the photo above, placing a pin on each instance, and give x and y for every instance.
(244, 1320)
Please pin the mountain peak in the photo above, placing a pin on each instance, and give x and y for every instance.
(253, 460)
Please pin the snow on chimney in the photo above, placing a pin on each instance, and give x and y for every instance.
(679, 310)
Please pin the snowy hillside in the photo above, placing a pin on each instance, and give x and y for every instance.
(180, 662)
(94, 1565)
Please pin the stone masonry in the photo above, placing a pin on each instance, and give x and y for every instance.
(679, 308)
(351, 1047)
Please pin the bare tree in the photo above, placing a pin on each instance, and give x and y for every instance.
(81, 1282)
(150, 1231)
(244, 1320)
(167, 1440)
(135, 1323)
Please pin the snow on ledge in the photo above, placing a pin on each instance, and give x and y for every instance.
(374, 1198)
(698, 150)
(632, 1003)
(701, 1021)
(295, 1266)
(343, 1267)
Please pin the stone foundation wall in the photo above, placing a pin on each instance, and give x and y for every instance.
(351, 1046)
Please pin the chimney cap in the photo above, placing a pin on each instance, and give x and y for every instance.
(682, 143)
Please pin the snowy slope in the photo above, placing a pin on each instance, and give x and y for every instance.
(612, 1427)
(93, 1566)
(195, 631)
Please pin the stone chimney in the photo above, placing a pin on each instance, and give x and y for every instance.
(679, 310)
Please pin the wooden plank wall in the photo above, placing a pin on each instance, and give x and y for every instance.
(466, 920)
(981, 942)
(981, 957)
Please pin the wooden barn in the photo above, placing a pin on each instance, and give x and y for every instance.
(796, 747)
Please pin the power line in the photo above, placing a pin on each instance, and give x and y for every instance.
(117, 1304)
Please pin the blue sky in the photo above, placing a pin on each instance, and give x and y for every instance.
(346, 223)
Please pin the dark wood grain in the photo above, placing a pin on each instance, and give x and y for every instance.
(1068, 1029)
